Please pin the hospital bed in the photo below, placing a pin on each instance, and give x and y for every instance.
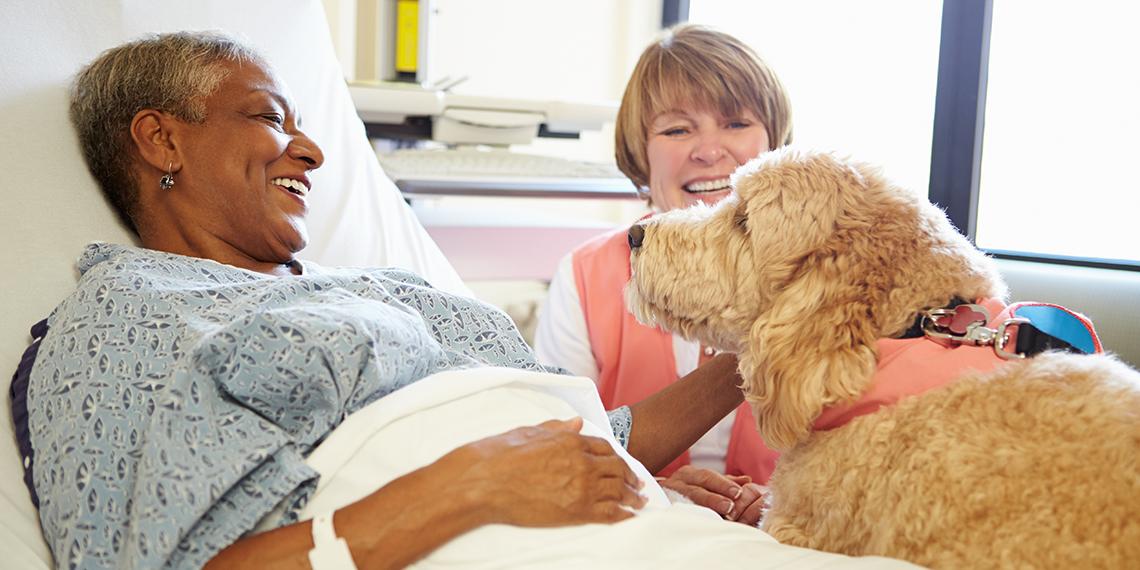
(52, 206)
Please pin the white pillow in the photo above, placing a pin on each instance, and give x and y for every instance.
(52, 206)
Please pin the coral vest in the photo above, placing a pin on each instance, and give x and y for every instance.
(636, 361)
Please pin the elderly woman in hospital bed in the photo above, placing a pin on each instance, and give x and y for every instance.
(193, 397)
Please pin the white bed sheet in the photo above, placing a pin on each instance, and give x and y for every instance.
(420, 423)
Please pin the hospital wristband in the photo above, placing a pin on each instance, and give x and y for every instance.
(329, 552)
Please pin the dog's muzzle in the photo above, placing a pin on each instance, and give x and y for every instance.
(636, 236)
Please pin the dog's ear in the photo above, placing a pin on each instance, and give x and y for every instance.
(814, 349)
(792, 199)
(814, 345)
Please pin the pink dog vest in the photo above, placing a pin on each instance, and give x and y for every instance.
(912, 366)
(635, 361)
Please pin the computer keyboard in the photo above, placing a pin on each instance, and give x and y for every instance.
(476, 162)
(466, 171)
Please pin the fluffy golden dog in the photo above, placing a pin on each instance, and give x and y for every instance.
(815, 259)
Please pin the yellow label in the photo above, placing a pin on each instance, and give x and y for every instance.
(407, 34)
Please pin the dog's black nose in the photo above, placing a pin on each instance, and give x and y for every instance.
(636, 234)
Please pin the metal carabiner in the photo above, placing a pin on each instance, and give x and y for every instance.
(1002, 339)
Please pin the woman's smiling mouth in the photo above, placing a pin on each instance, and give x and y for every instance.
(292, 185)
(707, 186)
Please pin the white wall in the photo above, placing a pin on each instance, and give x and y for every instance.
(341, 16)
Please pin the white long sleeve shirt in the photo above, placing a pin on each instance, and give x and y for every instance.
(562, 339)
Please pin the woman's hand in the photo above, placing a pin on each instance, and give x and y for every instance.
(733, 497)
(548, 475)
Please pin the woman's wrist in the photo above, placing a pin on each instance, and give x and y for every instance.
(466, 490)
(667, 423)
(421, 510)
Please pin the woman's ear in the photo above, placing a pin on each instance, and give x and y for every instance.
(152, 132)
(813, 349)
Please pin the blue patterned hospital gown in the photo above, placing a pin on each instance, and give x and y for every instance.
(174, 399)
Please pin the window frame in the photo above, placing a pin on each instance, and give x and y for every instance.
(674, 12)
(959, 111)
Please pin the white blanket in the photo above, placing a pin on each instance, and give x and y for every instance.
(417, 424)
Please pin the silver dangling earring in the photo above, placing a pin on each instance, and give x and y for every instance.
(167, 180)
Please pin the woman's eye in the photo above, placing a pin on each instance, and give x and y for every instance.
(739, 124)
(675, 131)
(274, 118)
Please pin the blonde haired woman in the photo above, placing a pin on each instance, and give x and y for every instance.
(698, 104)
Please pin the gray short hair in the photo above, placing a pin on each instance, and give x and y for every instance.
(172, 73)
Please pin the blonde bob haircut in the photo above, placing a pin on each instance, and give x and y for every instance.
(696, 67)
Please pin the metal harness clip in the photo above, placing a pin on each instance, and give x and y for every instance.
(966, 324)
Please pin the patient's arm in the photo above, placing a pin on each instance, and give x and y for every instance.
(546, 475)
(392, 527)
(670, 421)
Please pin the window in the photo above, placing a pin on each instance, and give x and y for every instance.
(861, 75)
(1061, 130)
(1035, 123)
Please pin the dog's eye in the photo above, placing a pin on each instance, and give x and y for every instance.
(740, 218)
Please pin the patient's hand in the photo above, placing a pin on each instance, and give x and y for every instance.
(550, 475)
(734, 497)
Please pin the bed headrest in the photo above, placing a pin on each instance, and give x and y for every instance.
(52, 206)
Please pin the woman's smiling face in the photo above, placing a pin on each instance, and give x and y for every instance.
(691, 154)
(244, 171)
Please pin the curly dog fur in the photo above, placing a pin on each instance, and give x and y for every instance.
(1036, 464)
